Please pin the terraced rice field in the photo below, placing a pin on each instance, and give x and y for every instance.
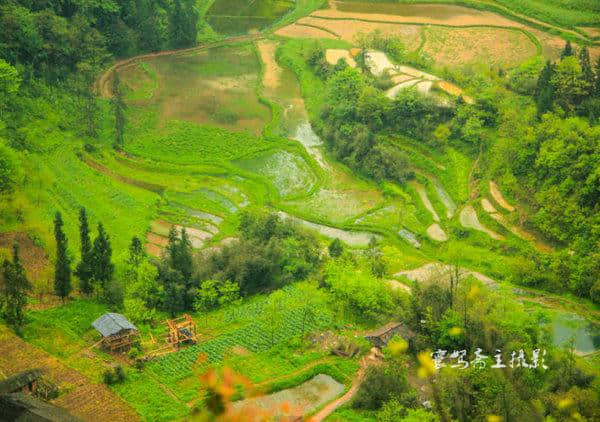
(296, 30)
(439, 16)
(349, 29)
(297, 401)
(216, 86)
(233, 17)
(493, 46)
(290, 174)
(469, 220)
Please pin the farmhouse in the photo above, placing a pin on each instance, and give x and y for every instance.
(381, 336)
(116, 330)
(17, 405)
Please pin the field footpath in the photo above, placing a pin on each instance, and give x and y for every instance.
(365, 362)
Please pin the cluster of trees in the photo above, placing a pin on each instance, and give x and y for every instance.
(270, 253)
(360, 124)
(57, 47)
(95, 269)
(462, 315)
(572, 84)
(355, 116)
(550, 155)
(53, 38)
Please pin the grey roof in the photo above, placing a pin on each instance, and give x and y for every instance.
(19, 407)
(111, 323)
(18, 381)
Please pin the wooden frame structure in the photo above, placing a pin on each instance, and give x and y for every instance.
(181, 330)
(120, 341)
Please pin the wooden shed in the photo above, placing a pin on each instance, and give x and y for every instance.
(25, 382)
(19, 407)
(116, 330)
(381, 336)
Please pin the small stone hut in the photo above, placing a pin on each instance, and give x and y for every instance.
(116, 330)
(381, 336)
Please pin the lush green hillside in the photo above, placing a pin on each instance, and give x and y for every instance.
(301, 177)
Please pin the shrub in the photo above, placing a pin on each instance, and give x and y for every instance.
(382, 383)
(114, 376)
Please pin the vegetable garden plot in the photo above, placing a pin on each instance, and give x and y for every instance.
(254, 337)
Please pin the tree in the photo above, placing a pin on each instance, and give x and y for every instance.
(567, 51)
(102, 265)
(336, 248)
(586, 67)
(136, 252)
(207, 297)
(84, 269)
(89, 106)
(183, 23)
(229, 293)
(568, 83)
(62, 269)
(172, 283)
(10, 82)
(179, 258)
(9, 169)
(119, 107)
(271, 320)
(597, 81)
(544, 90)
(16, 287)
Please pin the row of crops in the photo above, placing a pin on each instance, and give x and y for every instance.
(254, 337)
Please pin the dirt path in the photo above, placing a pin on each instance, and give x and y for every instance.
(365, 362)
(103, 85)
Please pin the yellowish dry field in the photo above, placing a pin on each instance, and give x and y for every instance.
(436, 14)
(494, 46)
(348, 29)
(333, 55)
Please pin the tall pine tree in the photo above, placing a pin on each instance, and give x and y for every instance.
(587, 73)
(544, 91)
(62, 269)
(84, 269)
(102, 265)
(16, 287)
(567, 51)
(183, 23)
(597, 80)
(136, 252)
